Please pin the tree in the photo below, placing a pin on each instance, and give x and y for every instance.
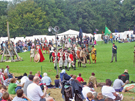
(3, 18)
(27, 19)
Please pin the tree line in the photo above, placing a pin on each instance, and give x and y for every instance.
(33, 17)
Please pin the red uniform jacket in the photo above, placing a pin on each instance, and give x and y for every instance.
(71, 57)
(54, 56)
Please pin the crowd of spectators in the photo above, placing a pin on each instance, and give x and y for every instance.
(117, 38)
(23, 46)
(34, 87)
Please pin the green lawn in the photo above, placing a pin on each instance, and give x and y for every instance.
(103, 68)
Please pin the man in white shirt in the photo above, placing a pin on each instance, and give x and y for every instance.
(24, 79)
(35, 93)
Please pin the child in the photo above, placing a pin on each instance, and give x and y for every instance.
(100, 97)
(5, 97)
(40, 76)
(30, 73)
(57, 81)
(7, 80)
(95, 42)
(13, 86)
(91, 87)
(79, 78)
(32, 53)
(21, 96)
(90, 97)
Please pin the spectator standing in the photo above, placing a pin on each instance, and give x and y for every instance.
(114, 52)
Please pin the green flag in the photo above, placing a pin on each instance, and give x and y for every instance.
(107, 31)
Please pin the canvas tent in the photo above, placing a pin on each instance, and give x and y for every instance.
(29, 38)
(19, 38)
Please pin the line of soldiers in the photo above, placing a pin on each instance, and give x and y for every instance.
(67, 58)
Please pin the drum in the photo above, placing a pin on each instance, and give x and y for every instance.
(37, 58)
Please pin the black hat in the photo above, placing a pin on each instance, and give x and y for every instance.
(54, 49)
(68, 51)
(59, 48)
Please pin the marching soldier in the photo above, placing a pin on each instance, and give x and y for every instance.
(71, 60)
(65, 59)
(54, 57)
(60, 58)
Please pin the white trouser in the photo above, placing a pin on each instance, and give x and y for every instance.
(60, 62)
(71, 63)
(65, 62)
(54, 62)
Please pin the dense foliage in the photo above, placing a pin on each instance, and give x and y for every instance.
(29, 17)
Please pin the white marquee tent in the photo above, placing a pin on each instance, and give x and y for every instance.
(123, 35)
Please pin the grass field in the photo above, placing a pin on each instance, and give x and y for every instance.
(103, 68)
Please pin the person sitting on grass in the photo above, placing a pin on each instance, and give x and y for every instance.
(12, 88)
(57, 81)
(79, 78)
(7, 71)
(110, 92)
(87, 89)
(90, 97)
(27, 83)
(93, 80)
(100, 97)
(35, 93)
(5, 97)
(30, 73)
(64, 76)
(129, 87)
(40, 76)
(47, 80)
(2, 90)
(7, 80)
(118, 84)
(108, 99)
(24, 79)
(21, 96)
